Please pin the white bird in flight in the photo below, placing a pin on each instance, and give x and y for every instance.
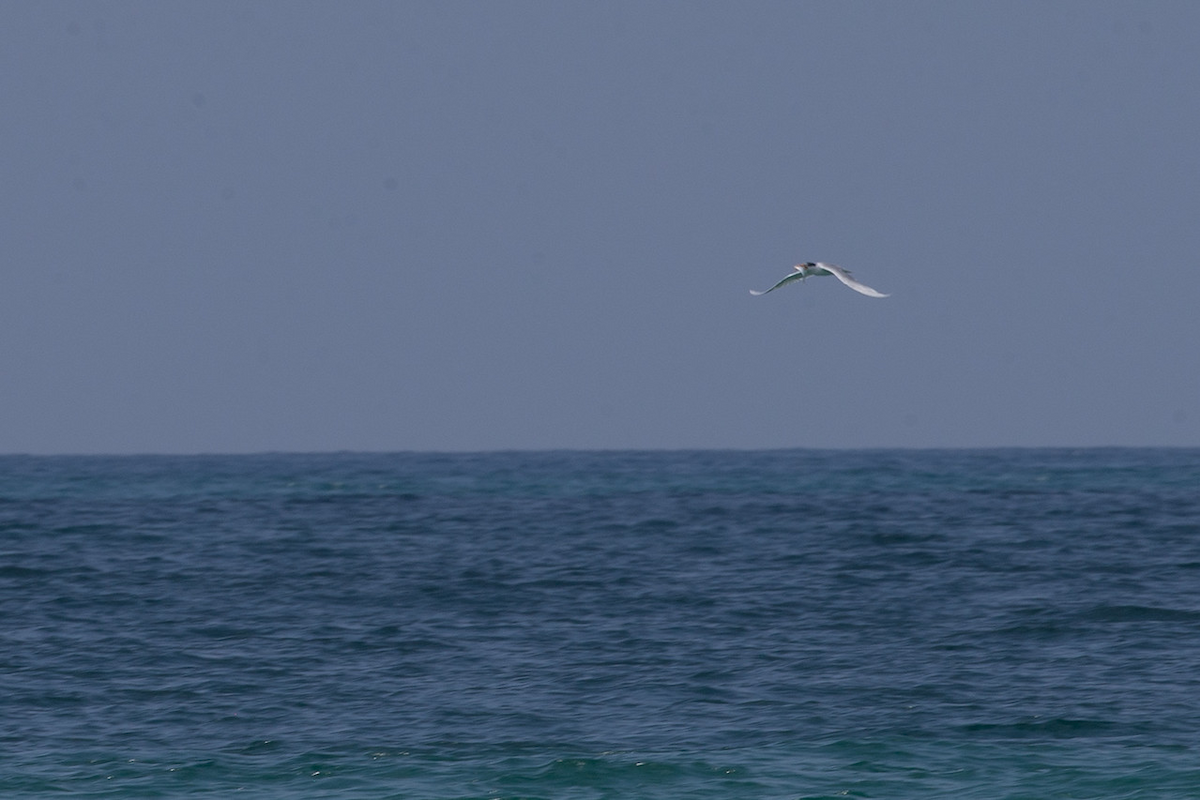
(809, 268)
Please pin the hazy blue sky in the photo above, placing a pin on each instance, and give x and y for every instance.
(244, 226)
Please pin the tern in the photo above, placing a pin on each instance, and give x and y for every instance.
(809, 268)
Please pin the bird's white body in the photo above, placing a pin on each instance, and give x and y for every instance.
(810, 269)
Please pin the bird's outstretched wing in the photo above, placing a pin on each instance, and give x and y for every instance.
(795, 276)
(844, 276)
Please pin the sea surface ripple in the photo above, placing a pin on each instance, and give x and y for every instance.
(780, 624)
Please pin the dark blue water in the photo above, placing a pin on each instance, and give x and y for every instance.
(789, 624)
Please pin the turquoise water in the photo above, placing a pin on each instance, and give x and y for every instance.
(785, 624)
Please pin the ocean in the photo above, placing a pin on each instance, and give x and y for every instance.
(573, 625)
